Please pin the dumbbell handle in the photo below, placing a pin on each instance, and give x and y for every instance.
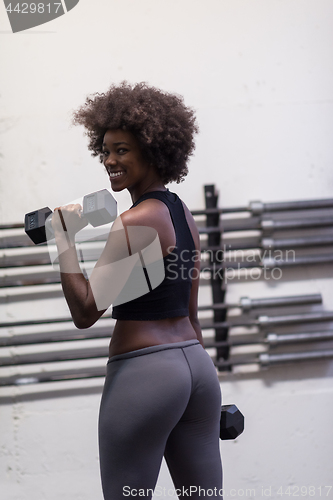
(48, 223)
(98, 208)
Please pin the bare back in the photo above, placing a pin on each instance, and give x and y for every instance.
(129, 335)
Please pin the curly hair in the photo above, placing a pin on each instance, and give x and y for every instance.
(160, 121)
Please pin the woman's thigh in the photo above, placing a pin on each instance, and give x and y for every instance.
(192, 450)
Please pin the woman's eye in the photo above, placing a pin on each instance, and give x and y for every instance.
(105, 153)
(121, 151)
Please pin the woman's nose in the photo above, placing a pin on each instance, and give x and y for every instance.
(111, 160)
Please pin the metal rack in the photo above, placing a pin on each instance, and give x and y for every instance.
(48, 349)
(266, 220)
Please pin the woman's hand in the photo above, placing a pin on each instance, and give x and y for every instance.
(67, 221)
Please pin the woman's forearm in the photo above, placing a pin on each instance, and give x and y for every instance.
(76, 288)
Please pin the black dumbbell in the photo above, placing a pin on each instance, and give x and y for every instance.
(231, 423)
(98, 208)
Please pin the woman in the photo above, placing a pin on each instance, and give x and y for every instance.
(161, 395)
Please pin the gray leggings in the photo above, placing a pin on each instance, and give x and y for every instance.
(161, 400)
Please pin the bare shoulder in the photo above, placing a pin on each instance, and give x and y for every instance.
(154, 214)
(150, 212)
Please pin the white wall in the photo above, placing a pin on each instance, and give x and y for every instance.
(259, 73)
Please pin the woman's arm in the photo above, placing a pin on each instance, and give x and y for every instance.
(193, 305)
(124, 250)
(66, 222)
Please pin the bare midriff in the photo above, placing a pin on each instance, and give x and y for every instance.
(132, 335)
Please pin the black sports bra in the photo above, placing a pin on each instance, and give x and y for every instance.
(171, 297)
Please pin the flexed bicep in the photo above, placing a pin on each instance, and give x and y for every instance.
(130, 266)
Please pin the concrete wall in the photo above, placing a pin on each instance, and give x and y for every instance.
(259, 73)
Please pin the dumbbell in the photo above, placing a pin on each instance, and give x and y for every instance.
(98, 208)
(231, 423)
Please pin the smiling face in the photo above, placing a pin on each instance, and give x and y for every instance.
(125, 164)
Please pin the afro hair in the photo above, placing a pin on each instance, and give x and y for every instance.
(160, 121)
